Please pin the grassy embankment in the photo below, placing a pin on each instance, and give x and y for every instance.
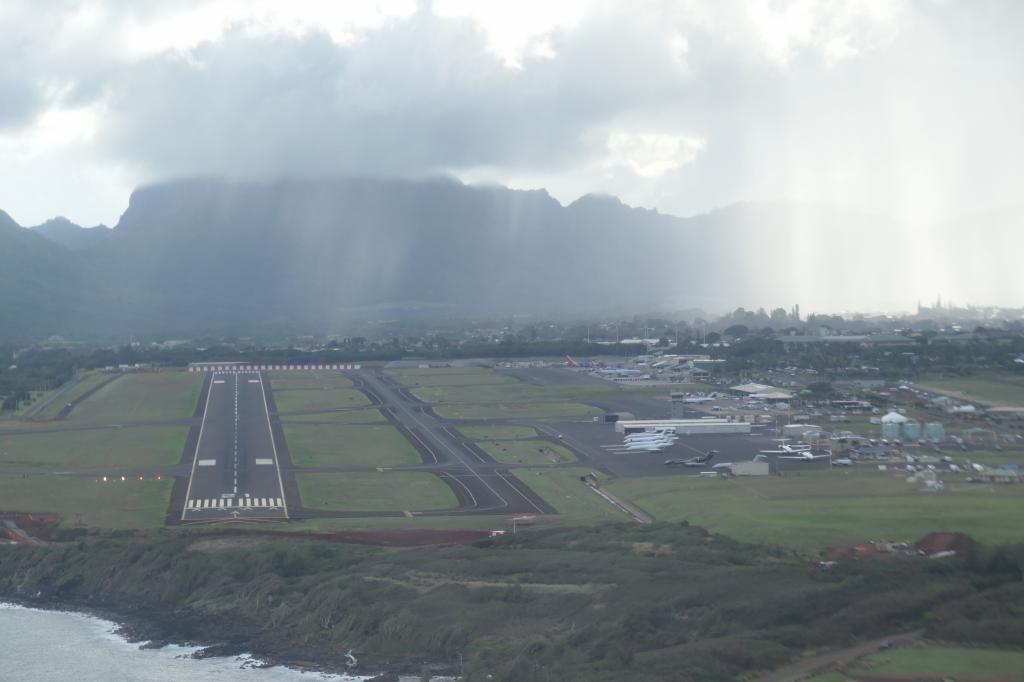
(835, 507)
(613, 602)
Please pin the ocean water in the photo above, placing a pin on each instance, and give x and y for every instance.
(38, 646)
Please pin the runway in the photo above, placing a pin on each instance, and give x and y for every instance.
(235, 469)
(480, 486)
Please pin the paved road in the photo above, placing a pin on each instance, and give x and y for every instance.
(480, 486)
(235, 470)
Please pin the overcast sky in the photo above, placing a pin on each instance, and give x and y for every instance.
(911, 109)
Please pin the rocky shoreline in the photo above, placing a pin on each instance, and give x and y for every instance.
(156, 628)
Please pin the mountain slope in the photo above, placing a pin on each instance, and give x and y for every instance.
(210, 256)
(40, 283)
(73, 237)
(319, 251)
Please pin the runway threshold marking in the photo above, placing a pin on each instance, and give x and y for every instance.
(229, 503)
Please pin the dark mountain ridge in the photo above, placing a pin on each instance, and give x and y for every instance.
(73, 237)
(213, 256)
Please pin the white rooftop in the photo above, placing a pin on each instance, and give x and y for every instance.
(753, 388)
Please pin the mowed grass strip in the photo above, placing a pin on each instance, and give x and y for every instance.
(526, 452)
(497, 432)
(339, 445)
(512, 392)
(144, 446)
(817, 509)
(114, 504)
(569, 411)
(354, 416)
(447, 376)
(995, 389)
(574, 500)
(308, 399)
(83, 386)
(376, 491)
(143, 396)
(319, 379)
(945, 661)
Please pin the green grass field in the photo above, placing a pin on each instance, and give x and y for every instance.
(570, 411)
(120, 504)
(318, 379)
(995, 389)
(497, 432)
(449, 377)
(143, 396)
(375, 491)
(817, 509)
(526, 452)
(574, 500)
(310, 399)
(83, 386)
(125, 447)
(354, 416)
(512, 391)
(946, 661)
(331, 445)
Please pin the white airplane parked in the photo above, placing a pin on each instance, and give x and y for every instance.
(787, 449)
(650, 446)
(639, 438)
(806, 455)
(648, 434)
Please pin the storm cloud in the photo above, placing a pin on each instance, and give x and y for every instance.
(908, 109)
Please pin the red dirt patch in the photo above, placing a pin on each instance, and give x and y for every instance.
(933, 543)
(27, 529)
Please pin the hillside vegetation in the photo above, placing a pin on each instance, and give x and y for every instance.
(662, 602)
